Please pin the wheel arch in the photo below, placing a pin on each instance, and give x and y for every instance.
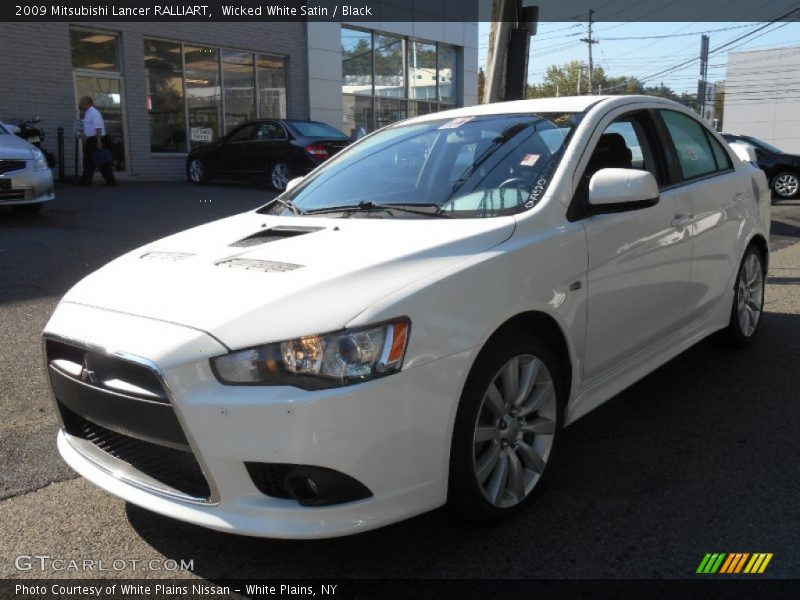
(760, 243)
(545, 327)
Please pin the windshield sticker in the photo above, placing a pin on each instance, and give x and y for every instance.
(456, 123)
(536, 192)
(690, 152)
(528, 160)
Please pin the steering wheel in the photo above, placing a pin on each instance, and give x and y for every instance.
(514, 180)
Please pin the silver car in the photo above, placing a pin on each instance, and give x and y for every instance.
(26, 182)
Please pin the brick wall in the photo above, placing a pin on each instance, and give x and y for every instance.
(36, 78)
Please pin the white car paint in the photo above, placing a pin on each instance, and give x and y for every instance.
(628, 290)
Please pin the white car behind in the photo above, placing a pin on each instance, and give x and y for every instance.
(26, 182)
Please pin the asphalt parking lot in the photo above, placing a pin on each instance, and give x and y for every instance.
(701, 456)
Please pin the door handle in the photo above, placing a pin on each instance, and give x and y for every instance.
(681, 218)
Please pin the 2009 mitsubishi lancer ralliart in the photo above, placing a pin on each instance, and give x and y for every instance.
(412, 323)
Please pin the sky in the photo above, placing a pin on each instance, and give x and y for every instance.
(559, 43)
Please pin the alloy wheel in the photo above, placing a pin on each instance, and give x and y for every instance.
(750, 294)
(196, 171)
(280, 176)
(514, 431)
(786, 185)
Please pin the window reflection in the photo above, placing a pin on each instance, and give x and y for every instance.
(238, 78)
(164, 89)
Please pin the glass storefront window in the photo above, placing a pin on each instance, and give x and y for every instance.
(447, 74)
(356, 62)
(389, 67)
(238, 80)
(203, 93)
(164, 89)
(271, 75)
(358, 117)
(389, 110)
(95, 50)
(422, 70)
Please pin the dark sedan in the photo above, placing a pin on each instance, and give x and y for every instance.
(782, 169)
(273, 150)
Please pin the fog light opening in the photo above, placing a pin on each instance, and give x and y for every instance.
(301, 488)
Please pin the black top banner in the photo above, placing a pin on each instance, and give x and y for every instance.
(372, 11)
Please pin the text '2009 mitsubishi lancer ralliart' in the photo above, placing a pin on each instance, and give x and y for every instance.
(414, 322)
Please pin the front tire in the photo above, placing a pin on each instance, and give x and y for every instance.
(748, 299)
(197, 171)
(508, 421)
(786, 185)
(279, 175)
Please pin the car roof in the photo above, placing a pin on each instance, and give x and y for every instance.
(560, 104)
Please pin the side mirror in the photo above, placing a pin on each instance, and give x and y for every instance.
(293, 183)
(616, 190)
(744, 152)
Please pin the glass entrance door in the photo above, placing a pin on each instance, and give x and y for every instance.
(106, 93)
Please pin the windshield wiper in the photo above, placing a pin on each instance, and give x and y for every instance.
(290, 205)
(369, 206)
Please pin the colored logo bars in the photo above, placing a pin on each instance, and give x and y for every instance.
(737, 562)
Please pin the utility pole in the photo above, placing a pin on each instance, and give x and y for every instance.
(703, 83)
(509, 42)
(590, 41)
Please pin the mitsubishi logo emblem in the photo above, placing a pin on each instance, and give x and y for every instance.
(87, 374)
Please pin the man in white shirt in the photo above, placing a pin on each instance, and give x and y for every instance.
(94, 139)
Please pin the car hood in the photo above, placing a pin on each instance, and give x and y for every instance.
(284, 282)
(14, 147)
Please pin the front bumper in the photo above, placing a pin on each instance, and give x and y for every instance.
(392, 434)
(27, 186)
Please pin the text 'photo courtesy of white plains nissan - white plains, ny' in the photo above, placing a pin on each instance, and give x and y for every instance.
(414, 322)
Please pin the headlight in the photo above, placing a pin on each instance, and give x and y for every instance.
(319, 361)
(39, 161)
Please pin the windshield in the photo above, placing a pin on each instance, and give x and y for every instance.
(467, 167)
(314, 129)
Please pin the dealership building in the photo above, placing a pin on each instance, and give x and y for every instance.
(165, 88)
(762, 96)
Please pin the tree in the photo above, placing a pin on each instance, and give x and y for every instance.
(719, 101)
(481, 84)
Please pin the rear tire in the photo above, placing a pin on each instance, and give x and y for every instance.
(786, 185)
(748, 300)
(508, 422)
(279, 175)
(28, 209)
(197, 171)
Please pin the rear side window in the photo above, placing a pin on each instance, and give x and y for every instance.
(693, 146)
(722, 158)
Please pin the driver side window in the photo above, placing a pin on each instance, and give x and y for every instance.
(624, 145)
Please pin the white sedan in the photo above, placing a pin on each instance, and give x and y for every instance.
(414, 322)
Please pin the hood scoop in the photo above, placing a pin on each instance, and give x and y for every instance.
(273, 235)
(253, 264)
(161, 256)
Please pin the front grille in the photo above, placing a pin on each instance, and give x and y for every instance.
(17, 194)
(122, 409)
(177, 469)
(7, 166)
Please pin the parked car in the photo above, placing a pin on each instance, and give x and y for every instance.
(782, 169)
(412, 323)
(275, 150)
(26, 182)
